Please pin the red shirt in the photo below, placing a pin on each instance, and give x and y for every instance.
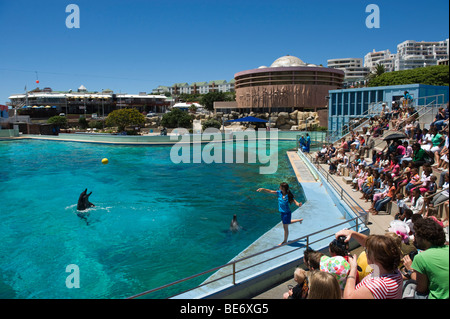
(384, 287)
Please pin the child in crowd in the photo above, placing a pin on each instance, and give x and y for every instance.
(300, 291)
(400, 204)
(380, 204)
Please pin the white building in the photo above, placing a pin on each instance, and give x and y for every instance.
(412, 54)
(385, 58)
(84, 101)
(353, 68)
(197, 87)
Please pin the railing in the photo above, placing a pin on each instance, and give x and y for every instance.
(317, 140)
(343, 195)
(425, 109)
(236, 262)
(359, 220)
(439, 207)
(375, 109)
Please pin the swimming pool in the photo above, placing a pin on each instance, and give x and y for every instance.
(154, 221)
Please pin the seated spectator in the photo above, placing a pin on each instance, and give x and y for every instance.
(343, 145)
(401, 206)
(380, 204)
(442, 196)
(370, 190)
(404, 177)
(367, 186)
(321, 154)
(438, 142)
(425, 181)
(359, 173)
(410, 127)
(443, 156)
(323, 285)
(414, 180)
(334, 162)
(311, 259)
(343, 163)
(385, 282)
(427, 143)
(417, 203)
(432, 186)
(395, 170)
(300, 291)
(391, 148)
(441, 118)
(431, 266)
(368, 146)
(408, 152)
(401, 150)
(384, 160)
(332, 152)
(337, 264)
(363, 179)
(420, 156)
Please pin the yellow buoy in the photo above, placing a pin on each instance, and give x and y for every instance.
(105, 161)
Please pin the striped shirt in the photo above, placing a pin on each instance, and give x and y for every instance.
(384, 287)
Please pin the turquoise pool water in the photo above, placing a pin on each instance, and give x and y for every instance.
(154, 221)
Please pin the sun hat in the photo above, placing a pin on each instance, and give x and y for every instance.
(401, 229)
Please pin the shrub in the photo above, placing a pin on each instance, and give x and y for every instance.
(125, 117)
(431, 75)
(61, 121)
(211, 123)
(177, 118)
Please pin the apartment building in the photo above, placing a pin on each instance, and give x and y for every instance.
(353, 68)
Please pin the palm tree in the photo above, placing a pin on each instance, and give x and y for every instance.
(379, 70)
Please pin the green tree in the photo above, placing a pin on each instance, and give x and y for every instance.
(83, 122)
(125, 117)
(379, 70)
(431, 75)
(208, 99)
(61, 121)
(177, 118)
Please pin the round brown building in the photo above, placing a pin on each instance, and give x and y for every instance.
(288, 84)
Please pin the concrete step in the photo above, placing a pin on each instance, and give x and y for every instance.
(347, 180)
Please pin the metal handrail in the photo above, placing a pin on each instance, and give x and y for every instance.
(417, 112)
(338, 189)
(233, 263)
(366, 114)
(372, 107)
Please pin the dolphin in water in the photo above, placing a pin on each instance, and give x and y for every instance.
(83, 201)
(234, 226)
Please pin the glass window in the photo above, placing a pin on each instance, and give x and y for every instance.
(345, 104)
(352, 103)
(365, 102)
(359, 109)
(333, 104)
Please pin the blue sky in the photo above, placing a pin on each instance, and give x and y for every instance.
(134, 46)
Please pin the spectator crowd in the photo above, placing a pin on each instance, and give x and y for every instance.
(411, 260)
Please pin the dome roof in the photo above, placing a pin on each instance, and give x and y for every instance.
(286, 61)
(262, 67)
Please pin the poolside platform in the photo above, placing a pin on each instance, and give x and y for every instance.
(321, 213)
(378, 224)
